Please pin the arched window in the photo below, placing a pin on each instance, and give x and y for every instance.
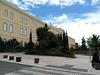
(11, 15)
(33, 34)
(32, 24)
(35, 25)
(21, 19)
(6, 13)
(5, 26)
(25, 32)
(21, 43)
(21, 31)
(11, 28)
(25, 21)
(25, 43)
(4, 39)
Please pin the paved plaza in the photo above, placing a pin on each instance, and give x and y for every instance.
(48, 65)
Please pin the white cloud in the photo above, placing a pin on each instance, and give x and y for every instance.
(14, 1)
(95, 2)
(78, 27)
(32, 14)
(34, 3)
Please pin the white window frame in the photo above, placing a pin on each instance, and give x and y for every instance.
(25, 32)
(11, 15)
(35, 25)
(21, 43)
(32, 24)
(33, 34)
(6, 13)
(11, 28)
(21, 31)
(5, 26)
(25, 21)
(25, 43)
(21, 19)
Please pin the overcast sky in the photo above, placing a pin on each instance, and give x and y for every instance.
(81, 18)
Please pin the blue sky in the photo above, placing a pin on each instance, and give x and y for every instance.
(81, 18)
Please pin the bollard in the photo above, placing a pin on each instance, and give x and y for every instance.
(5, 56)
(11, 57)
(18, 59)
(36, 60)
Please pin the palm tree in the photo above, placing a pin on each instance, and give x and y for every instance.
(94, 41)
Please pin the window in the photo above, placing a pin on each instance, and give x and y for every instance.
(21, 19)
(35, 25)
(5, 26)
(21, 43)
(33, 34)
(25, 21)
(11, 15)
(25, 32)
(11, 28)
(25, 43)
(4, 40)
(32, 24)
(6, 13)
(21, 31)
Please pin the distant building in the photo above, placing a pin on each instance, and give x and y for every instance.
(16, 23)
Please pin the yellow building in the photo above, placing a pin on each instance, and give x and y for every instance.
(16, 23)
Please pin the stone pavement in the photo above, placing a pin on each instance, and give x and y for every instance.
(52, 65)
(45, 71)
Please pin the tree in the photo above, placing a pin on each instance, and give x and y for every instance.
(30, 44)
(93, 41)
(43, 36)
(60, 39)
(66, 39)
(2, 44)
(46, 25)
(53, 40)
(83, 46)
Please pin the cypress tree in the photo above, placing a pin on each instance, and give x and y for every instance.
(66, 36)
(46, 25)
(30, 45)
(64, 40)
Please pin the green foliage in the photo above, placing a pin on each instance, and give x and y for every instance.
(83, 46)
(43, 36)
(46, 25)
(65, 42)
(53, 40)
(94, 41)
(66, 39)
(12, 44)
(30, 44)
(50, 43)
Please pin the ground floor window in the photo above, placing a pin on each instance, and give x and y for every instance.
(21, 43)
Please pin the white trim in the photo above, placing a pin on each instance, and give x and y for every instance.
(14, 36)
(14, 22)
(17, 23)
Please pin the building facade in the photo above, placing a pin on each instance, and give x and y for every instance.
(16, 23)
